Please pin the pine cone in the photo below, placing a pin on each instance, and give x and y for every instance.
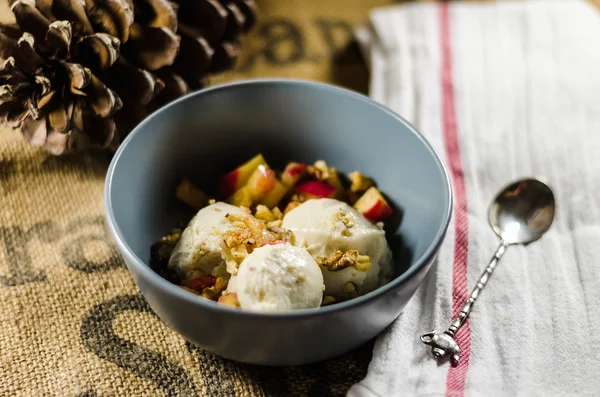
(80, 74)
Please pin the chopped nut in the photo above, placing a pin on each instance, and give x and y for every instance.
(340, 260)
(294, 202)
(274, 224)
(362, 263)
(349, 288)
(320, 170)
(248, 234)
(187, 192)
(347, 221)
(277, 213)
(214, 292)
(360, 184)
(236, 236)
(327, 300)
(264, 214)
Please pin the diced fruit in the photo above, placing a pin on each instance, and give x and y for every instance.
(315, 189)
(360, 184)
(334, 179)
(200, 283)
(229, 299)
(233, 181)
(261, 182)
(291, 205)
(321, 171)
(187, 192)
(272, 198)
(266, 214)
(373, 206)
(241, 198)
(292, 173)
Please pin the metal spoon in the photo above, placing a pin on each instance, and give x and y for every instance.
(520, 214)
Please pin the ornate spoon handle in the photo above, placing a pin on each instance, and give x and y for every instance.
(443, 343)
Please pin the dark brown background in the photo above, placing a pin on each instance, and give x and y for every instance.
(72, 322)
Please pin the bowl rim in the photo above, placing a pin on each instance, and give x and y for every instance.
(169, 288)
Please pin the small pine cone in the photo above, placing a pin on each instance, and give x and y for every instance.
(57, 103)
(81, 74)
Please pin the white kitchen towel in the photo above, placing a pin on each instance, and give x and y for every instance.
(502, 90)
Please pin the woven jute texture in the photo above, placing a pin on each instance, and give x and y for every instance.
(72, 322)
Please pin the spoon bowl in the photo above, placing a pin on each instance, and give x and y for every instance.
(522, 212)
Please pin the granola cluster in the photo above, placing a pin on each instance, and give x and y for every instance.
(250, 232)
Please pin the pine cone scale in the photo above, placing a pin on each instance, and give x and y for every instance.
(152, 48)
(209, 16)
(156, 14)
(99, 51)
(111, 16)
(30, 19)
(132, 84)
(57, 119)
(74, 11)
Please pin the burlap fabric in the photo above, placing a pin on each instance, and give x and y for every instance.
(72, 322)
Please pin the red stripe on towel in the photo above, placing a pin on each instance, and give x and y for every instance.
(455, 382)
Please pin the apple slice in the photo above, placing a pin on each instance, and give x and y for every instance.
(322, 172)
(241, 198)
(229, 299)
(273, 197)
(373, 206)
(201, 282)
(315, 189)
(261, 182)
(334, 180)
(292, 173)
(360, 184)
(187, 192)
(237, 178)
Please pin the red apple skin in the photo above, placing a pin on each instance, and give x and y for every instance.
(316, 189)
(199, 283)
(228, 184)
(378, 212)
(292, 173)
(234, 180)
(373, 206)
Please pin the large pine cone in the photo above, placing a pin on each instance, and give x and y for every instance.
(80, 74)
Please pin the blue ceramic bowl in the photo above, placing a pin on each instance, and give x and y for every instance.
(211, 131)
